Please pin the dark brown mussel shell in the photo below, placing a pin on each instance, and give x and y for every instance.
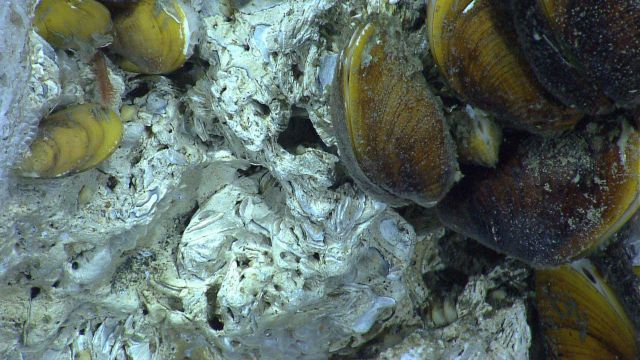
(550, 200)
(476, 49)
(559, 76)
(390, 129)
(587, 52)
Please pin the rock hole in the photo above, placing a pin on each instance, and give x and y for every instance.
(112, 182)
(215, 323)
(194, 69)
(148, 130)
(140, 90)
(183, 221)
(300, 133)
(176, 304)
(213, 319)
(251, 170)
(448, 282)
(34, 292)
(261, 109)
(243, 262)
(297, 72)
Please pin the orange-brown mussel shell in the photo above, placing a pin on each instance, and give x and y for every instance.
(550, 200)
(581, 316)
(476, 49)
(390, 129)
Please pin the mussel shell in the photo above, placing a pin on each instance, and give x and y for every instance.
(390, 129)
(80, 25)
(476, 49)
(601, 39)
(581, 316)
(550, 200)
(152, 36)
(72, 140)
(549, 62)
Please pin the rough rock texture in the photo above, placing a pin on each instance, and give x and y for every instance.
(22, 95)
(224, 225)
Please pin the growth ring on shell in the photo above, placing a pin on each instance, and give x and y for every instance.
(390, 128)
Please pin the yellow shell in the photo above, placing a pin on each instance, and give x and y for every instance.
(581, 316)
(478, 54)
(72, 140)
(390, 129)
(152, 36)
(73, 24)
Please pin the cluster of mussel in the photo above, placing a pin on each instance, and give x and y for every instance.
(144, 36)
(550, 163)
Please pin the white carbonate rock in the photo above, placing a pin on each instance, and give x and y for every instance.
(224, 226)
(481, 332)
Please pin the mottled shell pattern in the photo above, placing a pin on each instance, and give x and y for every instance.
(550, 200)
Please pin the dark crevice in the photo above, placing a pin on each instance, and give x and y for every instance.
(300, 132)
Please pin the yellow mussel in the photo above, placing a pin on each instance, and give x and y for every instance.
(72, 140)
(73, 24)
(390, 129)
(581, 316)
(152, 36)
(476, 50)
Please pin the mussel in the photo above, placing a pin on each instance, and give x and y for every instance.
(551, 200)
(475, 47)
(152, 36)
(73, 24)
(587, 53)
(72, 140)
(581, 316)
(390, 129)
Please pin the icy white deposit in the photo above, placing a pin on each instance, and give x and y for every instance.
(224, 227)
